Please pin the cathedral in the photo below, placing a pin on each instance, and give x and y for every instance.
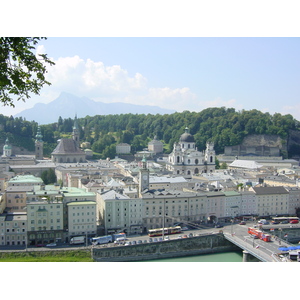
(68, 150)
(185, 159)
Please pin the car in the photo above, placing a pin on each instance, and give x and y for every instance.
(40, 245)
(184, 228)
(218, 226)
(127, 243)
(155, 240)
(190, 235)
(285, 222)
(275, 222)
(242, 223)
(145, 241)
(294, 222)
(184, 236)
(179, 237)
(167, 238)
(150, 240)
(133, 243)
(51, 245)
(140, 242)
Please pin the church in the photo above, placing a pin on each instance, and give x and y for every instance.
(68, 150)
(185, 159)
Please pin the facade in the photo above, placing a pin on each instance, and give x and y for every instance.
(13, 229)
(123, 148)
(185, 159)
(156, 146)
(44, 220)
(294, 199)
(164, 208)
(119, 213)
(81, 218)
(271, 200)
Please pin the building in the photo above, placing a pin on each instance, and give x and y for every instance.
(82, 218)
(271, 200)
(119, 213)
(39, 145)
(185, 159)
(45, 219)
(13, 229)
(7, 149)
(68, 150)
(123, 148)
(156, 146)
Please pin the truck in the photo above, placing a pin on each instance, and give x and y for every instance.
(102, 240)
(259, 234)
(77, 240)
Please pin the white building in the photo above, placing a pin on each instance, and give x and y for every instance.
(185, 159)
(123, 148)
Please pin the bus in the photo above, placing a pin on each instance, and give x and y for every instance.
(285, 220)
(167, 231)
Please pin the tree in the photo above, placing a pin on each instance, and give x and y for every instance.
(21, 71)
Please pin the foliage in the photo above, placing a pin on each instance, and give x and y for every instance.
(48, 176)
(21, 71)
(223, 126)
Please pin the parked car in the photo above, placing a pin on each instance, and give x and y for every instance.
(128, 243)
(51, 245)
(133, 243)
(167, 238)
(285, 222)
(140, 242)
(294, 222)
(184, 236)
(145, 242)
(160, 239)
(190, 235)
(155, 240)
(275, 222)
(242, 223)
(218, 226)
(150, 240)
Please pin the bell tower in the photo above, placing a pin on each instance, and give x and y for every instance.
(143, 176)
(39, 145)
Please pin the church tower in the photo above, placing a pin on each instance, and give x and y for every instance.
(143, 176)
(75, 134)
(7, 149)
(39, 145)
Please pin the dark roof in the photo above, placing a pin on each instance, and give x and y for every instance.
(67, 146)
(267, 190)
(187, 137)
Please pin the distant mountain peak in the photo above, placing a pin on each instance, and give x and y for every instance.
(67, 105)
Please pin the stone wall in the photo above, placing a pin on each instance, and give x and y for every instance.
(213, 243)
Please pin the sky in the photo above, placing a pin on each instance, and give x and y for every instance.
(174, 69)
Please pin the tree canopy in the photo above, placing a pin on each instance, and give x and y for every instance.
(21, 71)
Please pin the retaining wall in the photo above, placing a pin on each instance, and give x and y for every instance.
(214, 243)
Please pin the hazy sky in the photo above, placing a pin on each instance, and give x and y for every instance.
(181, 73)
(176, 73)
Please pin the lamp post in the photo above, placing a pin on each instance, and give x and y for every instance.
(233, 212)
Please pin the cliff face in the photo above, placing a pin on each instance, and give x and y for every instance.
(265, 140)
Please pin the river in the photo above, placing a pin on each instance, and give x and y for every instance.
(216, 257)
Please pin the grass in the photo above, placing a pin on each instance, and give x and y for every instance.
(47, 256)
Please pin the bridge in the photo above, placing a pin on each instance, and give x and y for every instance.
(264, 251)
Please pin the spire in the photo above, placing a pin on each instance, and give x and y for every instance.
(39, 136)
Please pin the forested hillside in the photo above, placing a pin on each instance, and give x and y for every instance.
(226, 127)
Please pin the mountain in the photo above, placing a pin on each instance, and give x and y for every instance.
(67, 105)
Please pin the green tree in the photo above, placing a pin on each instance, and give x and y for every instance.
(49, 176)
(21, 71)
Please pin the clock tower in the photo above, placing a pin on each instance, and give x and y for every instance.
(143, 176)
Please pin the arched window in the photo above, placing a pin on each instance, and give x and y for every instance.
(178, 159)
(211, 159)
(196, 161)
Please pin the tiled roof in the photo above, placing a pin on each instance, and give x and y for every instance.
(67, 146)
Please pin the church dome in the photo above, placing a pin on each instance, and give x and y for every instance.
(187, 137)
